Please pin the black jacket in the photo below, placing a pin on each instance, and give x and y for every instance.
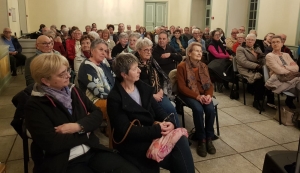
(117, 49)
(167, 64)
(43, 113)
(122, 109)
(16, 43)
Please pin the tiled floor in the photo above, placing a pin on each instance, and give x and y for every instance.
(246, 136)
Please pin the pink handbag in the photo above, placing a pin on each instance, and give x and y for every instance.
(161, 147)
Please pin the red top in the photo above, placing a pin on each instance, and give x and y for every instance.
(60, 48)
(70, 46)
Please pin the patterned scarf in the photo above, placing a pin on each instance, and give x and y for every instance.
(203, 74)
(152, 73)
(63, 96)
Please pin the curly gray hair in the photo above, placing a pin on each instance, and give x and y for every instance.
(122, 64)
(142, 43)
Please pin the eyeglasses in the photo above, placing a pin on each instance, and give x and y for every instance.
(46, 44)
(147, 50)
(198, 51)
(65, 74)
(7, 32)
(234, 32)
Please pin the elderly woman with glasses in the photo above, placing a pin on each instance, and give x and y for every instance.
(196, 89)
(250, 60)
(153, 75)
(131, 99)
(62, 120)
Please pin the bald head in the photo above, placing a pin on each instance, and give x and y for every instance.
(44, 44)
(283, 37)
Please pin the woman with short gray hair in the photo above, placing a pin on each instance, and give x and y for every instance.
(132, 99)
(123, 40)
(153, 75)
(133, 37)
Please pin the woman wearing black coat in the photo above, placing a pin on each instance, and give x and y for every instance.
(61, 121)
(132, 99)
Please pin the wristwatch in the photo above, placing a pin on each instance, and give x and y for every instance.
(81, 129)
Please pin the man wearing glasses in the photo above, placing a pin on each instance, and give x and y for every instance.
(230, 41)
(197, 37)
(44, 44)
(15, 49)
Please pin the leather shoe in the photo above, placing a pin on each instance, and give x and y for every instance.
(210, 147)
(201, 149)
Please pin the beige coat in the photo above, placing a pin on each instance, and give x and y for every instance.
(275, 66)
(230, 42)
(247, 62)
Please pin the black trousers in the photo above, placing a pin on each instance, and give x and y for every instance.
(100, 162)
(259, 91)
(16, 60)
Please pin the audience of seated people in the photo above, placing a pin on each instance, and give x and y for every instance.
(178, 42)
(43, 45)
(250, 60)
(196, 90)
(16, 58)
(95, 51)
(280, 63)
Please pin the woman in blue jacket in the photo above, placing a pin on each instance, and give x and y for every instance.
(178, 42)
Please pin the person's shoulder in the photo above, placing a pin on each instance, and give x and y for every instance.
(181, 64)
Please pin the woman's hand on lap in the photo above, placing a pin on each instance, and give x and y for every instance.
(166, 128)
(68, 128)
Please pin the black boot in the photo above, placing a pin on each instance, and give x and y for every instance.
(289, 102)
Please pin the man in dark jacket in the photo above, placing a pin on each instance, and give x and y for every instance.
(165, 55)
(15, 49)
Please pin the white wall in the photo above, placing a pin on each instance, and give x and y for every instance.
(219, 12)
(80, 12)
(14, 26)
(237, 15)
(279, 17)
(3, 15)
(198, 10)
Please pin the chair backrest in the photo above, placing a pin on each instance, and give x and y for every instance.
(266, 73)
(234, 64)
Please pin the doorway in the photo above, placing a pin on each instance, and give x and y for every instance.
(155, 15)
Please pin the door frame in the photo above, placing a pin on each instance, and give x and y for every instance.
(167, 11)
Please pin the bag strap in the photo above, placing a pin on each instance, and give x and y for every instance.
(130, 126)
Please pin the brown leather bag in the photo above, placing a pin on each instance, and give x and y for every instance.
(288, 77)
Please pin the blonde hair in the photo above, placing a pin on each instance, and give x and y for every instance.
(45, 65)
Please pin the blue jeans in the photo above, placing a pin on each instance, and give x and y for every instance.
(198, 110)
(169, 108)
(180, 159)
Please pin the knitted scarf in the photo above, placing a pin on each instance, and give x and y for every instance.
(191, 77)
(63, 96)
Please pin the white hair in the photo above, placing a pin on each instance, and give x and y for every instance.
(123, 35)
(194, 30)
(94, 34)
(251, 36)
(142, 43)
